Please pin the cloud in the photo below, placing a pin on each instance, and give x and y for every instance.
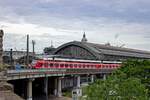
(114, 9)
(129, 33)
(65, 20)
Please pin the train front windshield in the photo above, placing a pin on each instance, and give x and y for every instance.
(33, 63)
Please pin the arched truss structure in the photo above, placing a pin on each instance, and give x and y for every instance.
(91, 51)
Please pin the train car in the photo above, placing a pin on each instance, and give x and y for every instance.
(73, 64)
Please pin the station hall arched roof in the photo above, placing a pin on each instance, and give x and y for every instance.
(94, 51)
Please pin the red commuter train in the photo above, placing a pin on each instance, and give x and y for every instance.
(74, 64)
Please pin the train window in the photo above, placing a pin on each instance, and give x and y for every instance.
(61, 65)
(114, 66)
(56, 65)
(51, 64)
(70, 65)
(45, 64)
(79, 65)
(99, 66)
(66, 65)
(33, 62)
(87, 66)
(107, 66)
(110, 66)
(40, 64)
(75, 65)
(48, 65)
(83, 65)
(104, 66)
(96, 66)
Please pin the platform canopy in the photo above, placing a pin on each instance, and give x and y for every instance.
(92, 51)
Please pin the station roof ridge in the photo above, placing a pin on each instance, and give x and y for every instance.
(110, 47)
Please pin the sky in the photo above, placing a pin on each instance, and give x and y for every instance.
(119, 22)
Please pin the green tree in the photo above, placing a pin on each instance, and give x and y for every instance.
(115, 89)
(138, 69)
(130, 82)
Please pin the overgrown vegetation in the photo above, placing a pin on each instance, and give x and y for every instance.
(3, 67)
(130, 82)
(67, 94)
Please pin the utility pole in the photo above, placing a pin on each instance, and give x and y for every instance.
(27, 60)
(11, 57)
(33, 46)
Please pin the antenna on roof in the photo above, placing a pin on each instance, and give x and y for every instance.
(84, 39)
(116, 37)
(108, 44)
(52, 44)
(122, 45)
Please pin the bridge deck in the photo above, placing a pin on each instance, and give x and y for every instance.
(35, 73)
